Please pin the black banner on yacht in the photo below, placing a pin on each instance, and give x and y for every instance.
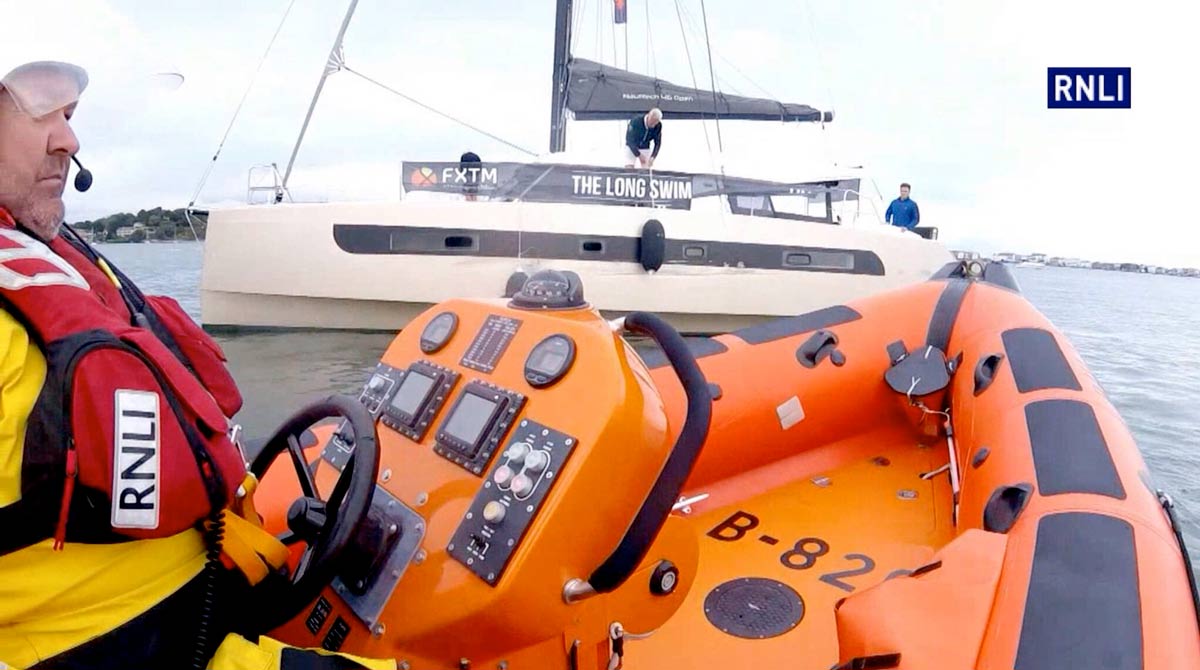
(555, 182)
(598, 92)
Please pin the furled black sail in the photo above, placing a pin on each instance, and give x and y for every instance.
(598, 92)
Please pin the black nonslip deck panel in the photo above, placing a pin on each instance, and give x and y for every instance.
(700, 347)
(1083, 607)
(1037, 361)
(1069, 451)
(794, 325)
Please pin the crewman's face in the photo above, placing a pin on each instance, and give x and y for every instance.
(651, 121)
(34, 157)
(903, 192)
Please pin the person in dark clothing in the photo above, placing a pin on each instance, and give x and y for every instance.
(469, 160)
(903, 211)
(642, 130)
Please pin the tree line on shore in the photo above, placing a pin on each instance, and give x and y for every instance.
(146, 224)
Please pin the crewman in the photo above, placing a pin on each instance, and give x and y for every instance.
(115, 454)
(642, 130)
(903, 211)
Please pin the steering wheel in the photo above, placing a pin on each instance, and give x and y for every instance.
(325, 525)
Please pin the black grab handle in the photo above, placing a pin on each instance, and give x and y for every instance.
(985, 371)
(650, 518)
(817, 347)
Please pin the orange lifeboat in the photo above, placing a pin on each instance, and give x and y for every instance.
(927, 478)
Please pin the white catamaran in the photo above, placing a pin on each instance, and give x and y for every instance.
(709, 252)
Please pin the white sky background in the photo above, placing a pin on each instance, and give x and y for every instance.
(950, 96)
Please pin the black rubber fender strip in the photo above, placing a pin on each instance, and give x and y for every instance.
(1168, 506)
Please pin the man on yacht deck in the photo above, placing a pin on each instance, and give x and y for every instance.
(642, 130)
(903, 211)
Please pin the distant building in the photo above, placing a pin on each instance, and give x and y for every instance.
(1007, 257)
(125, 231)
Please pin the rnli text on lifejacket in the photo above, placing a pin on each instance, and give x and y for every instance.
(135, 461)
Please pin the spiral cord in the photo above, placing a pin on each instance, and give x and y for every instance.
(214, 534)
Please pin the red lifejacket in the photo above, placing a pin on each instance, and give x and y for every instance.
(128, 437)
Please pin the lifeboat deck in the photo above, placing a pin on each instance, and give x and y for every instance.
(781, 545)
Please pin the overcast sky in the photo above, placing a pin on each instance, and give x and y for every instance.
(950, 96)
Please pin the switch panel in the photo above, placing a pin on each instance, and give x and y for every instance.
(379, 388)
(509, 500)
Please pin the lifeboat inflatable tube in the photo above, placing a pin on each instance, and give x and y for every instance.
(1047, 546)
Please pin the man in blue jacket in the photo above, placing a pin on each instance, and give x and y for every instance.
(903, 211)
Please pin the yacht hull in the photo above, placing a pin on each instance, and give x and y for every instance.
(375, 266)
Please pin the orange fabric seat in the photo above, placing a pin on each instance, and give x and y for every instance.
(935, 618)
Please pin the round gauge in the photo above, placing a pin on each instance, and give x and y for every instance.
(549, 361)
(438, 332)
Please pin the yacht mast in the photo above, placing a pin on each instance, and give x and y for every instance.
(332, 64)
(558, 94)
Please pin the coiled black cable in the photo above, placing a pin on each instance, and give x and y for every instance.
(214, 534)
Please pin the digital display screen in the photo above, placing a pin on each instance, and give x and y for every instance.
(550, 362)
(438, 330)
(412, 392)
(469, 420)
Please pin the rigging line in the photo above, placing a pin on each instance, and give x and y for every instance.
(716, 115)
(577, 23)
(722, 58)
(812, 30)
(695, 84)
(477, 129)
(827, 138)
(653, 61)
(246, 94)
(613, 31)
(599, 30)
(724, 85)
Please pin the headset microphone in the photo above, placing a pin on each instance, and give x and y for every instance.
(83, 180)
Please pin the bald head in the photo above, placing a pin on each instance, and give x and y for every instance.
(653, 117)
